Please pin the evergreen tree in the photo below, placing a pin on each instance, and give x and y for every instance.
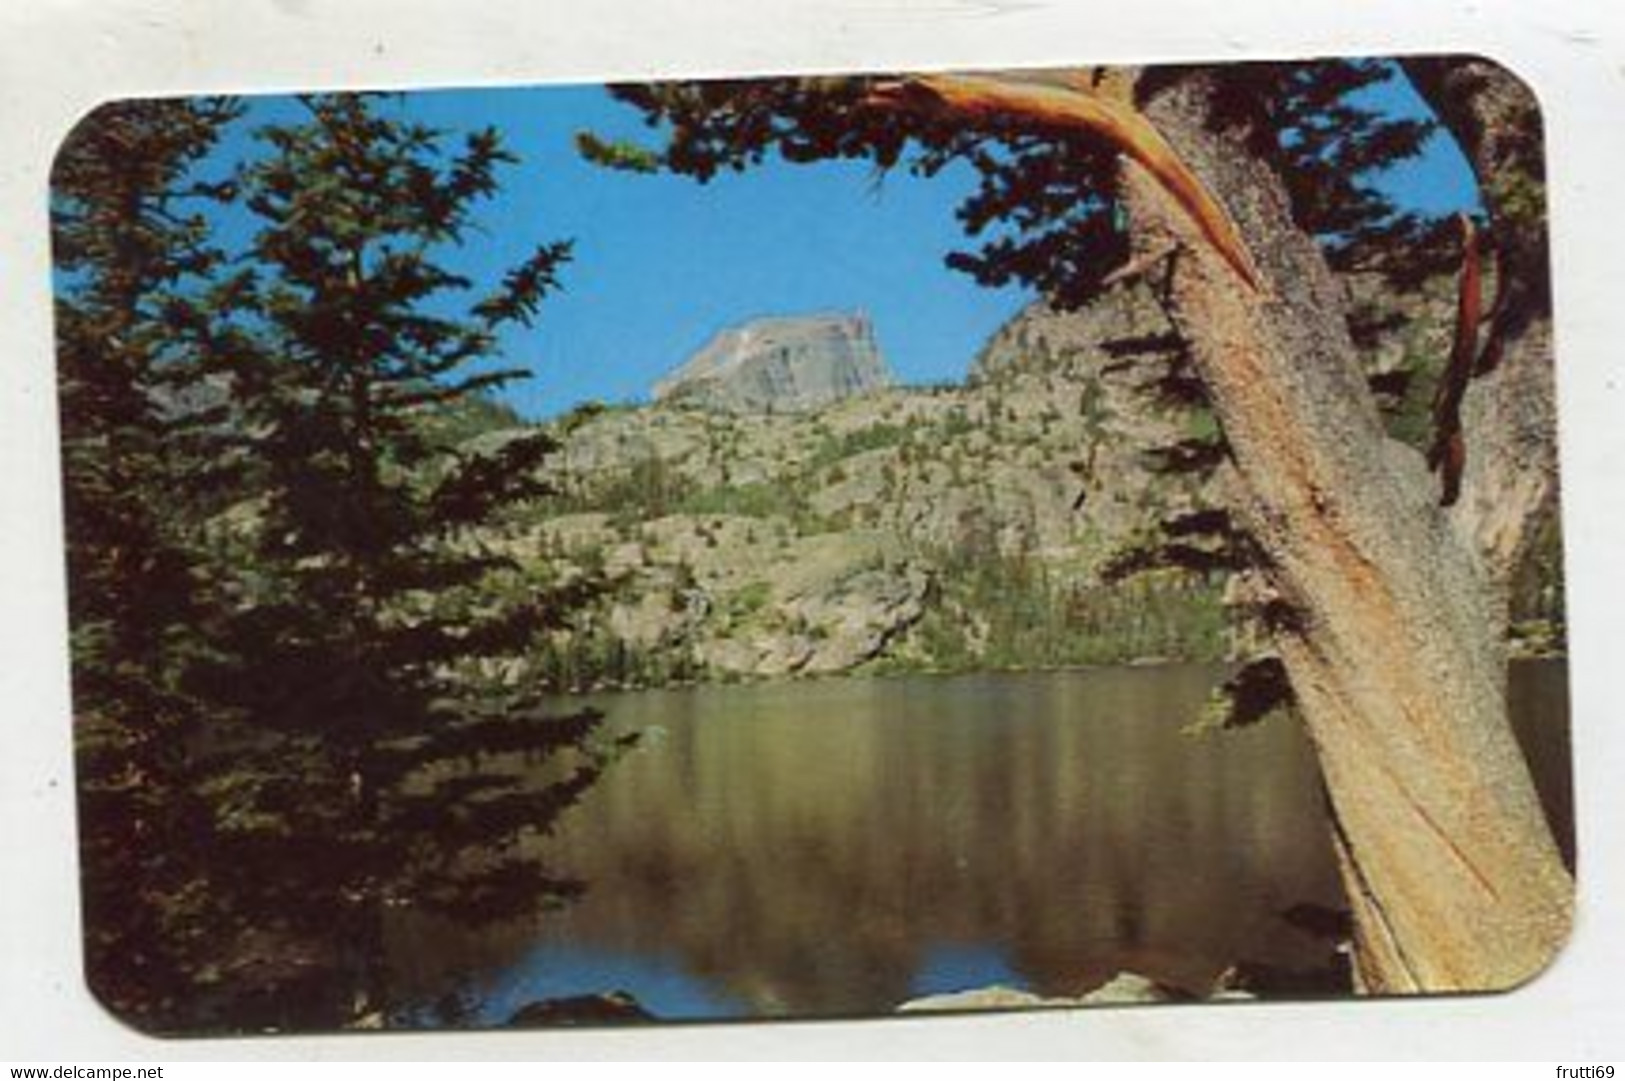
(289, 602)
(372, 763)
(131, 240)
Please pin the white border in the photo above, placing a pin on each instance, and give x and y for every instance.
(60, 57)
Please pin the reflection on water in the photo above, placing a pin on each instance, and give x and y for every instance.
(838, 847)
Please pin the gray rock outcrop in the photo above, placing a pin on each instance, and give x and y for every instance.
(1123, 989)
(781, 365)
(856, 535)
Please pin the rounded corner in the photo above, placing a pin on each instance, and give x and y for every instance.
(1525, 82)
(83, 120)
(1544, 963)
(141, 1027)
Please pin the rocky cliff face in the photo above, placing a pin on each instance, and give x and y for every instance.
(862, 527)
(782, 365)
(917, 528)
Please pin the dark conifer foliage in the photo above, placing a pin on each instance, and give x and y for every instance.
(367, 649)
(131, 241)
(350, 746)
(1043, 206)
(1045, 210)
(1318, 122)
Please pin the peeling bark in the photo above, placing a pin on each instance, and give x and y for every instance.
(1398, 667)
(1447, 455)
(1508, 413)
(1079, 105)
(1398, 663)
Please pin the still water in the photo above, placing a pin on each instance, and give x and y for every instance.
(840, 846)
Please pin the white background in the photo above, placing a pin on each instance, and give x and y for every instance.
(60, 57)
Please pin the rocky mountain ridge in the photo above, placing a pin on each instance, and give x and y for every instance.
(906, 528)
(915, 528)
(786, 364)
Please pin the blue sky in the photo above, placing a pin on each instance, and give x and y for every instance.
(662, 263)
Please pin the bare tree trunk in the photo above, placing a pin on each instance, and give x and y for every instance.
(1397, 657)
(1509, 416)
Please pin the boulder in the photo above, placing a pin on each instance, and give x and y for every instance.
(1127, 988)
(1123, 989)
(609, 1008)
(997, 997)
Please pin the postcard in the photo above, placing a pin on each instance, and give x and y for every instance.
(811, 547)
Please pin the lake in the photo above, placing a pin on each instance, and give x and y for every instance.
(837, 847)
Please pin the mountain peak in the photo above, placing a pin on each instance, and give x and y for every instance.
(781, 364)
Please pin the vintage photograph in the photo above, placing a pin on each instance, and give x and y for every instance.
(837, 546)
